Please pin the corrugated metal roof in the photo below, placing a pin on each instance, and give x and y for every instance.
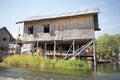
(33, 18)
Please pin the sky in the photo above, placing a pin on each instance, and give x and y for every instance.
(12, 11)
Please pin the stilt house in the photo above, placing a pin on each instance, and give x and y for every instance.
(61, 33)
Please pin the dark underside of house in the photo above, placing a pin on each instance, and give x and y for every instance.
(65, 49)
(66, 46)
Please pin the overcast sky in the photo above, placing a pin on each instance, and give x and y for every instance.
(12, 11)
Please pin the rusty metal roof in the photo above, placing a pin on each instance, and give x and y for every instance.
(77, 13)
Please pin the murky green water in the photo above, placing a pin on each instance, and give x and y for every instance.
(109, 71)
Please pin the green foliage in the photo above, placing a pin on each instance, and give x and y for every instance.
(32, 61)
(71, 64)
(107, 45)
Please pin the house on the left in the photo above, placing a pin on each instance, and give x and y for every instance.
(5, 38)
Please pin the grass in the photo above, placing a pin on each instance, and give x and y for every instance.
(71, 64)
(32, 61)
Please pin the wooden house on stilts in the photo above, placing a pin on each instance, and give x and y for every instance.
(5, 39)
(67, 33)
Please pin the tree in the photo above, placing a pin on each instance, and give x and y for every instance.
(116, 47)
(108, 45)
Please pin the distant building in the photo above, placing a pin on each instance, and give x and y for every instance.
(58, 32)
(5, 38)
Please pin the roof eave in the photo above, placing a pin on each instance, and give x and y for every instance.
(52, 18)
(63, 16)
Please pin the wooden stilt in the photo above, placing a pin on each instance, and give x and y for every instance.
(16, 47)
(45, 49)
(74, 48)
(94, 55)
(54, 49)
(37, 46)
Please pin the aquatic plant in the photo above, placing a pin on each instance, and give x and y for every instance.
(32, 61)
(71, 64)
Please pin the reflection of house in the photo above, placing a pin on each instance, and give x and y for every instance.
(5, 38)
(57, 32)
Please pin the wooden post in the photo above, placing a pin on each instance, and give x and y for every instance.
(54, 49)
(37, 47)
(94, 55)
(45, 49)
(16, 46)
(16, 50)
(74, 48)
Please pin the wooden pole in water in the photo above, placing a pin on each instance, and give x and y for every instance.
(94, 55)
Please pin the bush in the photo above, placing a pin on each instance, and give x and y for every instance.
(71, 64)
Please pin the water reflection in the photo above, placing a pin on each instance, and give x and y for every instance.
(109, 71)
(116, 66)
(109, 67)
(119, 65)
(7, 73)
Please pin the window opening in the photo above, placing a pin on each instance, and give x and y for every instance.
(4, 39)
(46, 28)
(30, 30)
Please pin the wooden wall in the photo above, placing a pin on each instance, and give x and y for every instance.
(4, 39)
(78, 27)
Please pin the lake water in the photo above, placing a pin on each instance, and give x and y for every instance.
(108, 71)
